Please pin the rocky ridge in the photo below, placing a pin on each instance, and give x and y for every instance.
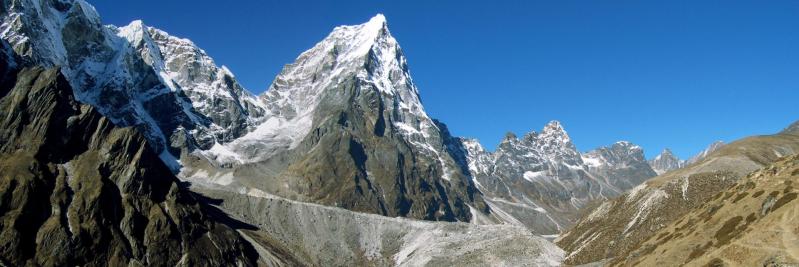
(704, 153)
(666, 161)
(541, 181)
(345, 127)
(134, 75)
(618, 226)
(752, 222)
(78, 190)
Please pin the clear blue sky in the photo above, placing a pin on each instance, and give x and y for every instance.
(677, 74)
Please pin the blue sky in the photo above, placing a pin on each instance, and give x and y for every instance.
(677, 74)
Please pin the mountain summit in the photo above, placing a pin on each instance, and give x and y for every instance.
(541, 180)
(666, 161)
(345, 126)
(136, 75)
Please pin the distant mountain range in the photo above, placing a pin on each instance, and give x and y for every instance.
(666, 161)
(123, 133)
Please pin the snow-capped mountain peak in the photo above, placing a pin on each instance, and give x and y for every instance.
(665, 153)
(531, 180)
(134, 31)
(367, 53)
(364, 35)
(554, 130)
(556, 144)
(666, 161)
(296, 90)
(618, 155)
(135, 75)
(349, 104)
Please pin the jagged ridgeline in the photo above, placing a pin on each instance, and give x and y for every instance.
(342, 126)
(101, 123)
(346, 128)
(114, 201)
(77, 190)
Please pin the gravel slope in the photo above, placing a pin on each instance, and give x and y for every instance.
(326, 236)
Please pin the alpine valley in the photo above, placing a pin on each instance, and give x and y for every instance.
(127, 146)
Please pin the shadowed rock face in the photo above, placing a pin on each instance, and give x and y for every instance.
(77, 190)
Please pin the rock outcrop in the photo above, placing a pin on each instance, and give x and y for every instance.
(77, 190)
(666, 161)
(134, 75)
(542, 182)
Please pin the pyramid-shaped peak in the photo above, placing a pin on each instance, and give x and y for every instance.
(134, 26)
(370, 29)
(374, 25)
(135, 32)
(378, 19)
(354, 42)
(553, 127)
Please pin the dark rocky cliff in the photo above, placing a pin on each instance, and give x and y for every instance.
(77, 190)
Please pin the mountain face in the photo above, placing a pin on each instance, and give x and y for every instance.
(345, 127)
(541, 181)
(751, 223)
(622, 165)
(666, 161)
(134, 75)
(79, 191)
(617, 227)
(704, 153)
(342, 126)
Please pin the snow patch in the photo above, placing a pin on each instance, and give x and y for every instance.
(645, 206)
(533, 176)
(684, 187)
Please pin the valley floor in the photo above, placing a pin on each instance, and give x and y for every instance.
(291, 232)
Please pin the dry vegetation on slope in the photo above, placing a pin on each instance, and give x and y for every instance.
(751, 224)
(618, 226)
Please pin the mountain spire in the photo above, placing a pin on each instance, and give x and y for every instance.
(554, 130)
(666, 161)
